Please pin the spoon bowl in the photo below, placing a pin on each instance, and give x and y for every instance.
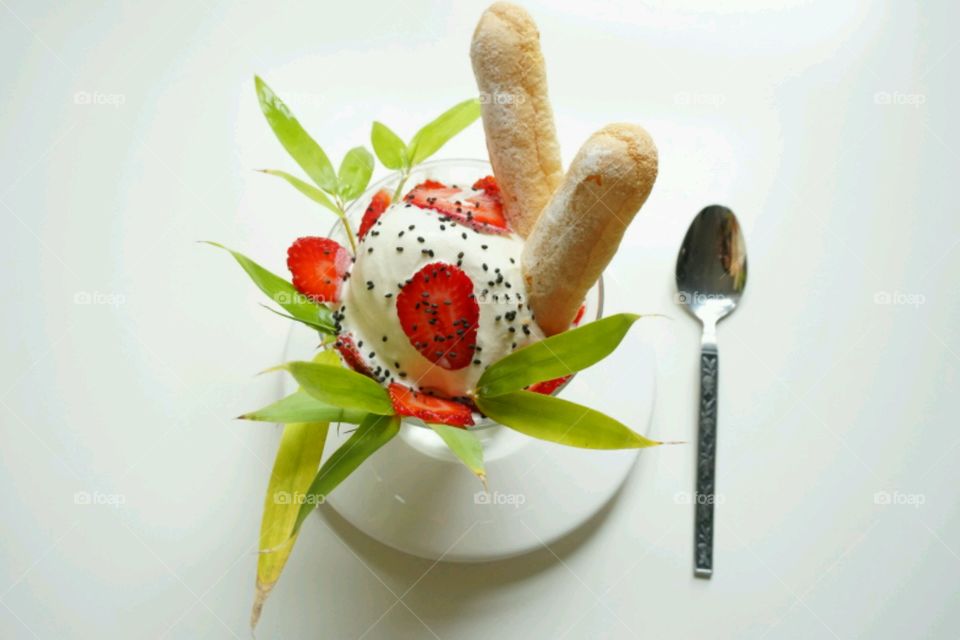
(712, 265)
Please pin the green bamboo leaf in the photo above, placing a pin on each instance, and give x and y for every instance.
(296, 462)
(374, 432)
(435, 134)
(302, 407)
(466, 446)
(556, 356)
(283, 293)
(355, 172)
(340, 387)
(388, 146)
(306, 189)
(560, 421)
(295, 139)
(313, 325)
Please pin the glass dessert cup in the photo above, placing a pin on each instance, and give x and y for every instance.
(416, 496)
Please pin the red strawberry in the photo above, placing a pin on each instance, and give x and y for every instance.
(407, 402)
(488, 184)
(378, 204)
(547, 387)
(318, 266)
(579, 316)
(482, 211)
(351, 355)
(439, 314)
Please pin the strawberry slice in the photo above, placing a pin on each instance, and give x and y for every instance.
(351, 355)
(547, 387)
(407, 402)
(579, 316)
(489, 185)
(318, 266)
(482, 211)
(439, 313)
(378, 204)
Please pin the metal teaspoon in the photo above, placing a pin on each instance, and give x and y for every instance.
(711, 275)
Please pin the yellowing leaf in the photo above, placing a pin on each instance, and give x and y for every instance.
(296, 462)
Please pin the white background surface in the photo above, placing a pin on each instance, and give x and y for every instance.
(827, 397)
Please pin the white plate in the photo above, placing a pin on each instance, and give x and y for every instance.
(414, 496)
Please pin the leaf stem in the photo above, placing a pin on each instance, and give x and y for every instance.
(346, 224)
(404, 175)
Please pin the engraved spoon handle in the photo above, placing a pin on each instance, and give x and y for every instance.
(706, 460)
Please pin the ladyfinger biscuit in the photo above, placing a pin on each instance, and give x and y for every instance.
(517, 118)
(582, 225)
